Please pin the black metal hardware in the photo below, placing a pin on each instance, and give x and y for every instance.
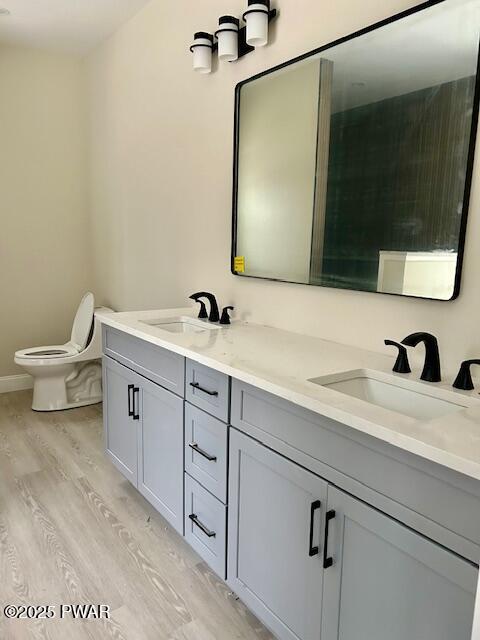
(327, 561)
(136, 391)
(225, 319)
(401, 364)
(228, 21)
(202, 314)
(195, 385)
(464, 380)
(204, 36)
(313, 551)
(431, 370)
(130, 410)
(214, 314)
(201, 526)
(196, 448)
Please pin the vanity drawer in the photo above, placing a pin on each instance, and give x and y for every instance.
(159, 365)
(206, 525)
(208, 389)
(206, 450)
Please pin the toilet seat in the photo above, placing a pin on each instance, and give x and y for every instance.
(44, 353)
(81, 336)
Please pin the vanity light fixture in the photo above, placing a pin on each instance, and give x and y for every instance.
(227, 36)
(257, 18)
(202, 48)
(232, 41)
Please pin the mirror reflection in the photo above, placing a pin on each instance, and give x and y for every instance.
(353, 164)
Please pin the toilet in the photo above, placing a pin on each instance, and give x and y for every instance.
(69, 375)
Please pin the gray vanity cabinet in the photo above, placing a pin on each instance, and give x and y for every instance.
(160, 459)
(263, 490)
(384, 580)
(144, 437)
(121, 431)
(387, 581)
(275, 527)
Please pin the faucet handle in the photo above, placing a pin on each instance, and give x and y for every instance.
(464, 380)
(401, 364)
(203, 309)
(225, 319)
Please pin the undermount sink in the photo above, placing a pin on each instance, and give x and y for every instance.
(181, 324)
(409, 398)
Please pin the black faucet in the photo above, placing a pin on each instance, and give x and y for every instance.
(225, 319)
(431, 370)
(464, 379)
(401, 364)
(214, 314)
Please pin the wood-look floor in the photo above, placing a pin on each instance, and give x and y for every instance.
(72, 530)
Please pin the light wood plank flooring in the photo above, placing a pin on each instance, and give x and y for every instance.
(72, 530)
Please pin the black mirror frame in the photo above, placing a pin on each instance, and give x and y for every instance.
(469, 167)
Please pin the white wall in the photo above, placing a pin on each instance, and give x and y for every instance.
(44, 235)
(161, 165)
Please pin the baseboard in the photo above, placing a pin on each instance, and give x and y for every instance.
(15, 383)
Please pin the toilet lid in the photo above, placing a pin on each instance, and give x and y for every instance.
(83, 322)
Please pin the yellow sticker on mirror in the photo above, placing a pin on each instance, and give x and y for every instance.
(239, 264)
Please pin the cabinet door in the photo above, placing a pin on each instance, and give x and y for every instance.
(120, 394)
(275, 527)
(160, 460)
(387, 581)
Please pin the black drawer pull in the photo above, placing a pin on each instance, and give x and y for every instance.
(313, 551)
(195, 385)
(136, 392)
(202, 527)
(196, 448)
(327, 562)
(130, 410)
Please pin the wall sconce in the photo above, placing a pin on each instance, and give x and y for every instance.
(257, 18)
(233, 42)
(202, 48)
(227, 36)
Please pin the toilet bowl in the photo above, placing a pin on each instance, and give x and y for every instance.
(68, 375)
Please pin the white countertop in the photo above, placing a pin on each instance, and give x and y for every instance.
(282, 362)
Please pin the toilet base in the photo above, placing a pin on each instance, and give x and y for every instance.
(67, 386)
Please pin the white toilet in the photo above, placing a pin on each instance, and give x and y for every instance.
(69, 375)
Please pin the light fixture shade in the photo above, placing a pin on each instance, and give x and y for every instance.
(227, 36)
(202, 52)
(256, 18)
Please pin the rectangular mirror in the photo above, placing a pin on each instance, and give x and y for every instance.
(353, 163)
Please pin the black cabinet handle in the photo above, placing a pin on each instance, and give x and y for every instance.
(327, 561)
(201, 526)
(195, 447)
(130, 410)
(195, 385)
(313, 551)
(136, 392)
